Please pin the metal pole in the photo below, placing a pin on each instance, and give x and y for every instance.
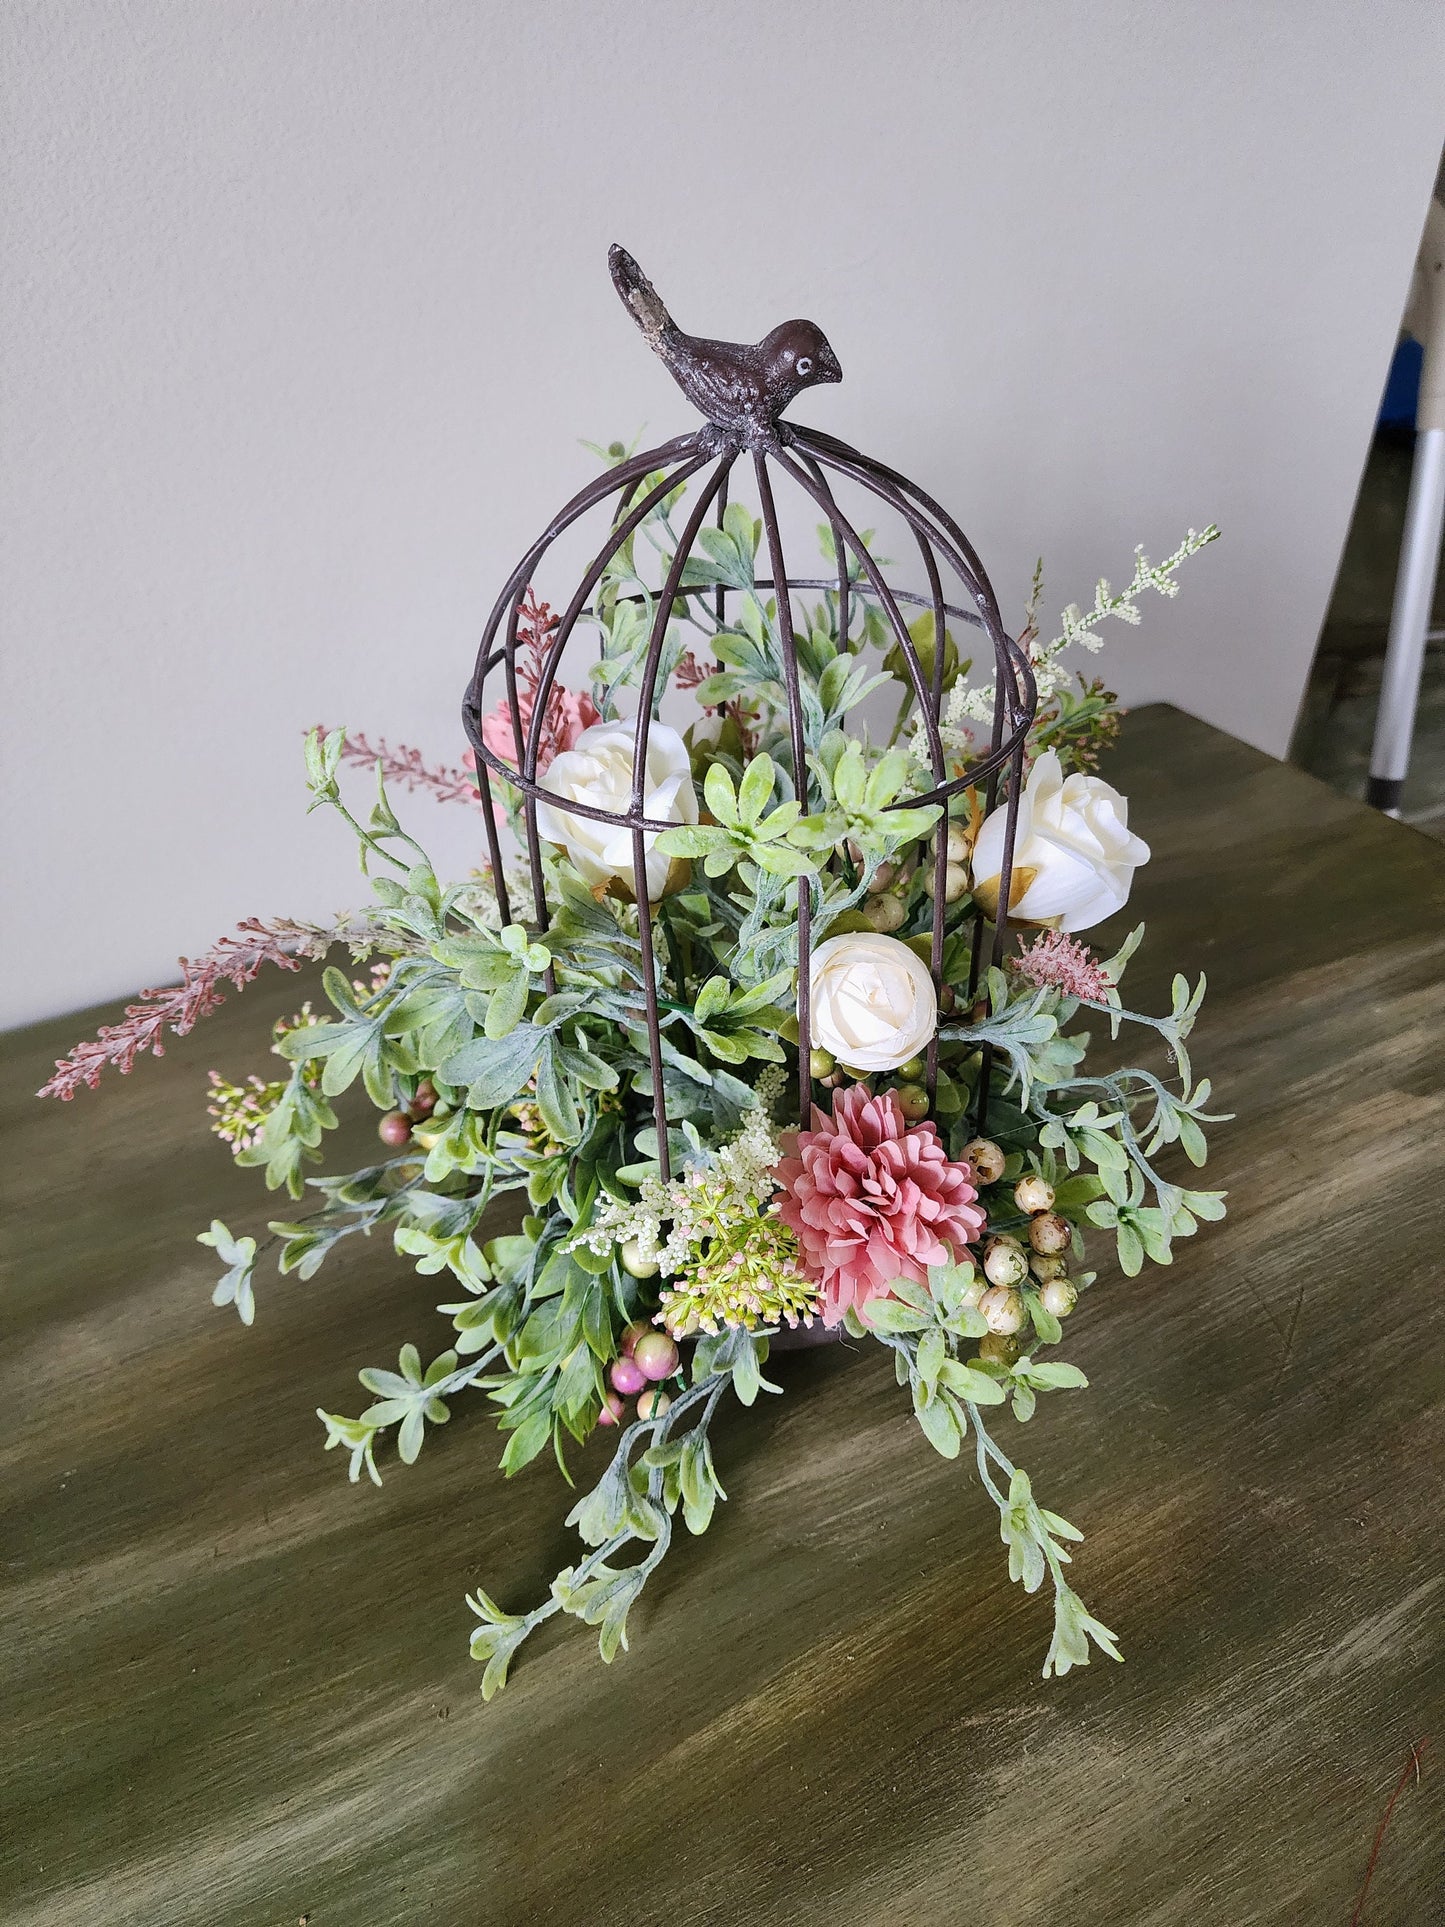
(1424, 522)
(1409, 622)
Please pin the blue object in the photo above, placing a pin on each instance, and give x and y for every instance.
(1402, 385)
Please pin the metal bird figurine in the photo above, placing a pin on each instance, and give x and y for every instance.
(741, 387)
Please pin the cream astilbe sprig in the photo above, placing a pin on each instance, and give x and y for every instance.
(1077, 628)
(708, 1199)
(712, 1229)
(747, 1276)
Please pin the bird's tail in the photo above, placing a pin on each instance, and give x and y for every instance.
(643, 301)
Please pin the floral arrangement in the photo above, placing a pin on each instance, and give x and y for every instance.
(938, 1197)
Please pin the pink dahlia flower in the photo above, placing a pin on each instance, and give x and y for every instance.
(872, 1198)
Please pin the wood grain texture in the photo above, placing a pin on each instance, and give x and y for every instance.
(237, 1690)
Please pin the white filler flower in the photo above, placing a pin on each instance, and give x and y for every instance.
(598, 770)
(873, 1002)
(1074, 856)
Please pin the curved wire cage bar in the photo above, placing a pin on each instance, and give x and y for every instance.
(810, 462)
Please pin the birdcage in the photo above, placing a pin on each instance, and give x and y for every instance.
(748, 444)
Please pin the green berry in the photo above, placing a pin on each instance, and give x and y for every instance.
(912, 1101)
(635, 1264)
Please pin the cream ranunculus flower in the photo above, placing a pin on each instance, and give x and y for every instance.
(873, 1002)
(598, 770)
(1074, 857)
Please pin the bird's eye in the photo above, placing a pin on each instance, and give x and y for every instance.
(805, 366)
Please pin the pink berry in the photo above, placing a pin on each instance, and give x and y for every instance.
(655, 1356)
(627, 1376)
(394, 1129)
(611, 1412)
(639, 1328)
(425, 1101)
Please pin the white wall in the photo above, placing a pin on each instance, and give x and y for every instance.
(307, 306)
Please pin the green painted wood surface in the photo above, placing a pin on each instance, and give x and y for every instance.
(236, 1689)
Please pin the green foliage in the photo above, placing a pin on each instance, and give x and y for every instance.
(291, 1136)
(728, 554)
(660, 1464)
(1036, 1540)
(507, 966)
(409, 1397)
(925, 1325)
(865, 809)
(921, 633)
(735, 1024)
(742, 831)
(239, 1257)
(359, 1440)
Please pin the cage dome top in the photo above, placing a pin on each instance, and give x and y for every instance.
(742, 389)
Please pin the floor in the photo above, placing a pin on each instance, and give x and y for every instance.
(1337, 720)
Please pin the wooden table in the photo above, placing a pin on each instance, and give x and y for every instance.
(237, 1689)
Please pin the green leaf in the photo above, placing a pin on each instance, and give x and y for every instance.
(747, 1378)
(1055, 1376)
(554, 1101)
(893, 1316)
(691, 840)
(1131, 1249)
(357, 1437)
(932, 1355)
(1043, 1320)
(970, 1384)
(532, 1436)
(745, 530)
(942, 1425)
(507, 1005)
(1074, 1627)
(239, 1255)
(755, 789)
(495, 1641)
(717, 789)
(711, 998)
(495, 1070)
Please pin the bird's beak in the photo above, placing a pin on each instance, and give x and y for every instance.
(830, 368)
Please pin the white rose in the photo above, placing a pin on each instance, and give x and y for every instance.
(1074, 858)
(873, 1002)
(598, 770)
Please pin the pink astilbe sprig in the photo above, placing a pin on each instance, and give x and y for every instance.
(1056, 962)
(179, 1007)
(406, 766)
(873, 1199)
(568, 711)
(692, 674)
